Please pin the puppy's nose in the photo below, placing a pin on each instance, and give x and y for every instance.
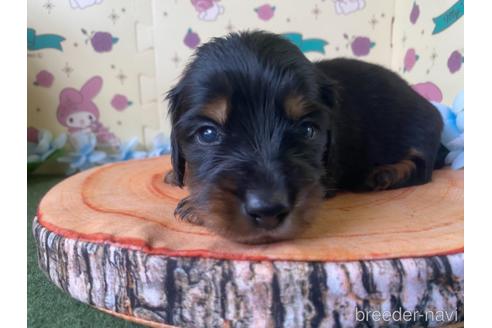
(266, 210)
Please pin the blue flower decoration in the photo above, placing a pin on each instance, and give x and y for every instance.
(453, 134)
(127, 151)
(45, 146)
(160, 145)
(85, 156)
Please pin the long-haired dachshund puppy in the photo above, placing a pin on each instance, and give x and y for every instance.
(261, 135)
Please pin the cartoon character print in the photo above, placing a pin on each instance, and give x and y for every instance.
(208, 10)
(44, 79)
(82, 4)
(80, 115)
(360, 45)
(100, 41)
(265, 12)
(306, 45)
(410, 59)
(455, 61)
(191, 39)
(346, 7)
(428, 90)
(414, 13)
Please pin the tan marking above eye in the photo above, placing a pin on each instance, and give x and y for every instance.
(217, 110)
(295, 107)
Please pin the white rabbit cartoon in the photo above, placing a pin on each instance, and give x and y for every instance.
(80, 115)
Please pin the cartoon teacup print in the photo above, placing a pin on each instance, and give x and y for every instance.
(82, 4)
(208, 10)
(79, 113)
(346, 7)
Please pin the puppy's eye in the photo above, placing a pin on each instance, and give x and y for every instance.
(308, 130)
(208, 135)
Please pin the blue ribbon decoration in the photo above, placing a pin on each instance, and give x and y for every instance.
(46, 145)
(160, 145)
(449, 17)
(86, 156)
(128, 151)
(43, 41)
(306, 45)
(453, 133)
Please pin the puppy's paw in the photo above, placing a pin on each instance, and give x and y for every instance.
(380, 179)
(186, 212)
(170, 178)
(329, 193)
(329, 183)
(388, 176)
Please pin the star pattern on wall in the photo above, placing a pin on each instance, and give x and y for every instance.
(67, 69)
(175, 59)
(373, 22)
(114, 17)
(433, 56)
(48, 5)
(121, 77)
(404, 39)
(230, 27)
(316, 11)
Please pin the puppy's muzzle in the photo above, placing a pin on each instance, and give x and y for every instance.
(266, 209)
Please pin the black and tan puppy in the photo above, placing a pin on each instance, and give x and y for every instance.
(260, 135)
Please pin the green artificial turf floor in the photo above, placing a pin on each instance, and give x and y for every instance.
(47, 305)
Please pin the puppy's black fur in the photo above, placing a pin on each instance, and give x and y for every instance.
(285, 132)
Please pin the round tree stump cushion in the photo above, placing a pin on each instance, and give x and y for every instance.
(108, 238)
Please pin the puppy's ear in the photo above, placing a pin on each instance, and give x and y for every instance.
(329, 95)
(177, 161)
(176, 105)
(328, 90)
